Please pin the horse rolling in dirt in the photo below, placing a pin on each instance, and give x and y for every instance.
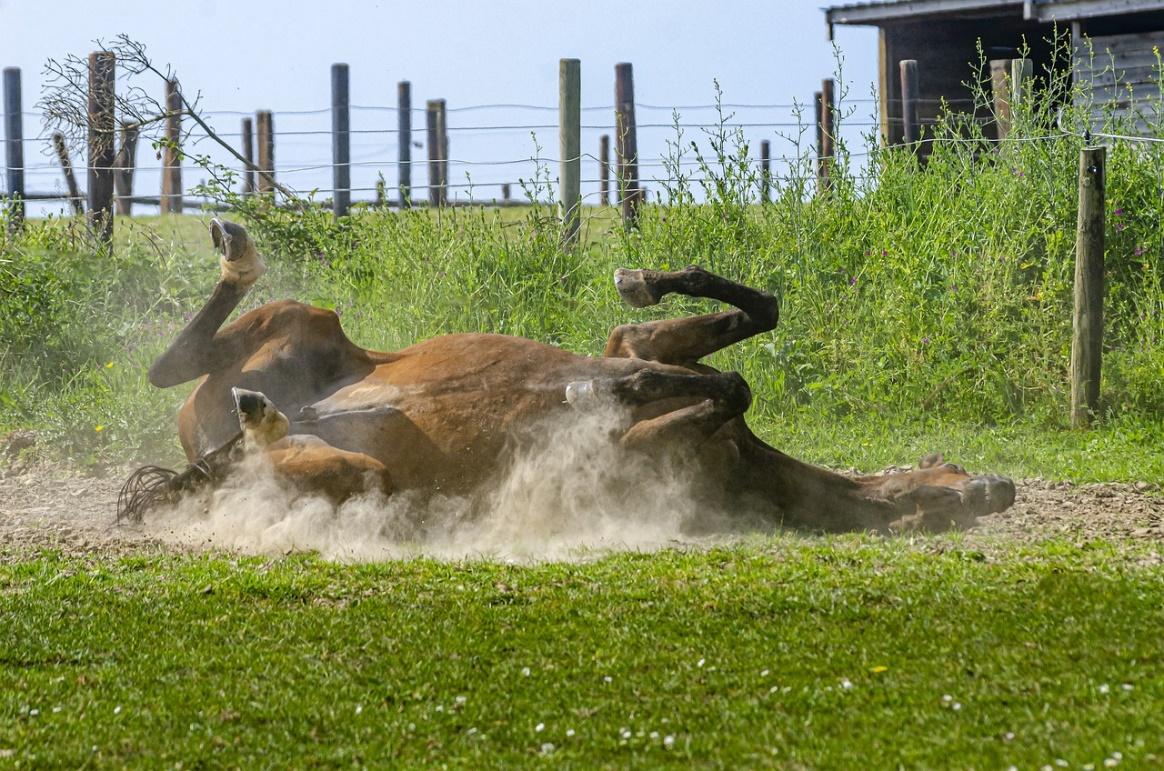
(335, 418)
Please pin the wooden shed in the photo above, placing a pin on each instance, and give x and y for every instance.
(1111, 39)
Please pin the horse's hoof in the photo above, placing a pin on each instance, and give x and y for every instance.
(633, 287)
(585, 394)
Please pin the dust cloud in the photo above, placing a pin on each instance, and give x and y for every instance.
(567, 493)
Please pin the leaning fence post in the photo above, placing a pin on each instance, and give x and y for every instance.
(570, 145)
(14, 146)
(404, 142)
(67, 169)
(265, 136)
(443, 135)
(765, 171)
(248, 153)
(341, 149)
(125, 162)
(1087, 321)
(909, 96)
(102, 65)
(626, 143)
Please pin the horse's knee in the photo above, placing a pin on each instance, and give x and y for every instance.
(620, 344)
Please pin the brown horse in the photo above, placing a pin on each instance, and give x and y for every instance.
(441, 415)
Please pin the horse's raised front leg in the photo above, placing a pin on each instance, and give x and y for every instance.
(685, 341)
(199, 348)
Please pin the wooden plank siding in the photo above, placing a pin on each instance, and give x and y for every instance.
(1119, 77)
(949, 63)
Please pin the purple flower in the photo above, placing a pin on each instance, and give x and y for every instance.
(1138, 251)
(1119, 211)
(925, 341)
(1120, 226)
(884, 252)
(852, 281)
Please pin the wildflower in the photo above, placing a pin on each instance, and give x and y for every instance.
(624, 732)
(925, 341)
(460, 700)
(852, 281)
(947, 698)
(34, 712)
(1120, 226)
(359, 708)
(763, 673)
(1126, 686)
(956, 706)
(569, 733)
(881, 667)
(846, 683)
(547, 748)
(1119, 212)
(108, 365)
(525, 671)
(539, 728)
(1138, 251)
(1104, 688)
(608, 679)
(700, 663)
(117, 710)
(99, 428)
(668, 741)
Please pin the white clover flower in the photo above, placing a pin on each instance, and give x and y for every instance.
(668, 741)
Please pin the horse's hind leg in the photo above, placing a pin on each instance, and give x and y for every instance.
(685, 341)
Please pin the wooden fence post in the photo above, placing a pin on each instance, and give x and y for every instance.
(434, 152)
(172, 155)
(1000, 87)
(828, 111)
(435, 142)
(125, 162)
(67, 169)
(505, 192)
(102, 71)
(909, 97)
(443, 135)
(1020, 84)
(341, 148)
(626, 142)
(14, 146)
(570, 146)
(765, 171)
(265, 136)
(604, 170)
(404, 142)
(1087, 322)
(248, 152)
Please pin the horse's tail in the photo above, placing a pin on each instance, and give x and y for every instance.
(152, 486)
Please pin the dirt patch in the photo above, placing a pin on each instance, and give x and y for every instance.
(55, 507)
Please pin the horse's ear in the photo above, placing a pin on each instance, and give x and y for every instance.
(933, 459)
(219, 235)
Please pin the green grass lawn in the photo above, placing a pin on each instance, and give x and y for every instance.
(823, 653)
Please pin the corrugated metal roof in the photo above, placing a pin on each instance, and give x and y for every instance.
(889, 10)
(879, 11)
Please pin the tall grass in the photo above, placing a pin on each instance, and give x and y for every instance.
(912, 294)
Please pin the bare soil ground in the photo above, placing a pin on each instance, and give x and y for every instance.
(54, 507)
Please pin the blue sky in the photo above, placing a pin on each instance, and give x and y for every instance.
(244, 56)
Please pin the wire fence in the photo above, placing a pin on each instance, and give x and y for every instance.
(493, 158)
